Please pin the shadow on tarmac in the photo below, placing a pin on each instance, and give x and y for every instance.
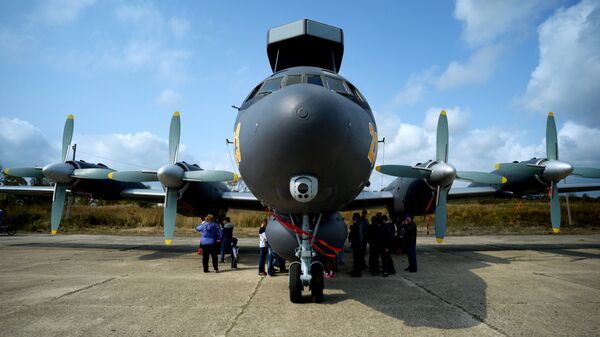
(445, 293)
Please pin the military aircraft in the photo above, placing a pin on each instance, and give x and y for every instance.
(305, 144)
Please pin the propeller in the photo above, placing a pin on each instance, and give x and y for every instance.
(173, 177)
(550, 169)
(440, 175)
(62, 173)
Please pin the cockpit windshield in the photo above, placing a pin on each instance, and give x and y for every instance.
(271, 85)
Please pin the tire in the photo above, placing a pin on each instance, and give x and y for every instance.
(11, 231)
(295, 283)
(317, 282)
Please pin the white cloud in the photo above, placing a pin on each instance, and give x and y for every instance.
(23, 144)
(458, 119)
(579, 144)
(486, 21)
(566, 79)
(477, 69)
(169, 98)
(60, 12)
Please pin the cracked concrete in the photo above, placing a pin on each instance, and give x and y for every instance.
(81, 285)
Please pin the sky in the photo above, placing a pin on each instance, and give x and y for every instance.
(123, 67)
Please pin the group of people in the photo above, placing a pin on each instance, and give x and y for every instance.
(217, 238)
(384, 238)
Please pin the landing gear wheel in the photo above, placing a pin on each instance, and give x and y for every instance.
(11, 231)
(295, 283)
(317, 282)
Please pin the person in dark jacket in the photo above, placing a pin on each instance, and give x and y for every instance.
(227, 236)
(389, 234)
(263, 246)
(410, 242)
(210, 242)
(375, 240)
(356, 238)
(363, 227)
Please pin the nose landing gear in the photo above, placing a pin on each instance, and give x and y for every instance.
(306, 273)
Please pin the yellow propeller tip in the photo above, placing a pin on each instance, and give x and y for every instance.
(439, 240)
(53, 232)
(70, 116)
(110, 175)
(550, 114)
(443, 112)
(497, 166)
(378, 168)
(168, 242)
(235, 177)
(176, 114)
(556, 230)
(504, 180)
(5, 171)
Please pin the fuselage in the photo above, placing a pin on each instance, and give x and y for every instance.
(305, 121)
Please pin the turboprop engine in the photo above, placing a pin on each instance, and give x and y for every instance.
(332, 231)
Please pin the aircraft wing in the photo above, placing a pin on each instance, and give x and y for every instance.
(42, 191)
(367, 199)
(584, 187)
(242, 200)
(471, 192)
(144, 194)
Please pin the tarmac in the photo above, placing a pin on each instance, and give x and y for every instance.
(99, 285)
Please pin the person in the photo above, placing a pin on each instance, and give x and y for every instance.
(227, 236)
(355, 238)
(388, 244)
(374, 237)
(363, 226)
(1, 217)
(410, 242)
(210, 242)
(234, 253)
(264, 248)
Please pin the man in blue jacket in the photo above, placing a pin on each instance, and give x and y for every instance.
(210, 242)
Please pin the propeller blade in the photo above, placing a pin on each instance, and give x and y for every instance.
(551, 139)
(133, 176)
(586, 172)
(91, 173)
(555, 208)
(170, 214)
(24, 172)
(481, 177)
(519, 168)
(441, 214)
(174, 133)
(58, 203)
(441, 147)
(67, 137)
(209, 176)
(403, 171)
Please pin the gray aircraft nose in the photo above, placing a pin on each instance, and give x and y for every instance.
(305, 129)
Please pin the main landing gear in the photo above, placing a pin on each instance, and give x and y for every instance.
(306, 272)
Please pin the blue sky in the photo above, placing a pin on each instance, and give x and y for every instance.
(123, 67)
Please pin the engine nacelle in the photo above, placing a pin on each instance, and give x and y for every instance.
(420, 197)
(332, 230)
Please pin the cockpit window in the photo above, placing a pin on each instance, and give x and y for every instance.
(293, 79)
(356, 92)
(337, 85)
(271, 85)
(253, 93)
(314, 79)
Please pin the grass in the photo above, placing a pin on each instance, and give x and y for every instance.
(464, 218)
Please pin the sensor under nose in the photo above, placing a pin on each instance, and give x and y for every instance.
(304, 188)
